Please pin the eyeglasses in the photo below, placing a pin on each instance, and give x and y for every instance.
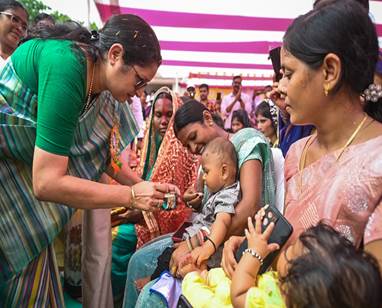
(16, 21)
(141, 83)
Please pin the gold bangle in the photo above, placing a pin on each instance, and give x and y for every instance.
(132, 197)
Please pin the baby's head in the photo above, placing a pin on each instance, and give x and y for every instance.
(324, 269)
(219, 162)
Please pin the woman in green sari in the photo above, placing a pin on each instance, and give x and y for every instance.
(56, 140)
(164, 159)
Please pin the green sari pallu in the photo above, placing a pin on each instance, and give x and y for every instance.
(28, 226)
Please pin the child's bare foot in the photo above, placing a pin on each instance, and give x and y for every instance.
(140, 283)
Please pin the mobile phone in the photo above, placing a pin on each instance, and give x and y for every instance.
(280, 234)
(218, 96)
(183, 302)
(274, 55)
(169, 201)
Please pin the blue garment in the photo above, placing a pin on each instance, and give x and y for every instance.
(150, 299)
(142, 264)
(168, 288)
(289, 134)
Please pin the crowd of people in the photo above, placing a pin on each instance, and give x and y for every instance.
(155, 194)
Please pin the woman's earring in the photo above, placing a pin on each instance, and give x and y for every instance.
(326, 89)
(326, 86)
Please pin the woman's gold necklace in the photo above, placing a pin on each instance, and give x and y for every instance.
(87, 106)
(302, 161)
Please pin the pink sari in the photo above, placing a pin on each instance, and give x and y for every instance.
(347, 194)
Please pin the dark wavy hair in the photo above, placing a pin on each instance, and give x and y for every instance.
(331, 273)
(44, 16)
(344, 28)
(318, 3)
(204, 85)
(140, 44)
(11, 4)
(163, 95)
(242, 116)
(190, 112)
(264, 110)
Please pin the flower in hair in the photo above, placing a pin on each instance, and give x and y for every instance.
(273, 111)
(373, 93)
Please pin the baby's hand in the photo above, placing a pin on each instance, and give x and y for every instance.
(186, 265)
(200, 255)
(258, 240)
(192, 198)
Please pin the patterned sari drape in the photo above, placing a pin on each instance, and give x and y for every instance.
(346, 194)
(171, 163)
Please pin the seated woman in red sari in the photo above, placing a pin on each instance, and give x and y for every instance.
(164, 159)
(336, 174)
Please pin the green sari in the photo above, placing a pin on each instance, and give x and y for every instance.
(28, 270)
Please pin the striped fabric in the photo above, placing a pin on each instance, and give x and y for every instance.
(38, 285)
(28, 226)
(218, 38)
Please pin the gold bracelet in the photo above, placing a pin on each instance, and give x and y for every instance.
(132, 197)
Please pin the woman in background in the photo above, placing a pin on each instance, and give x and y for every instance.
(13, 27)
(266, 119)
(240, 120)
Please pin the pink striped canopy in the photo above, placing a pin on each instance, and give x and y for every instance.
(213, 40)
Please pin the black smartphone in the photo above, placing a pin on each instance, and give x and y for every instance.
(274, 55)
(280, 234)
(218, 96)
(183, 302)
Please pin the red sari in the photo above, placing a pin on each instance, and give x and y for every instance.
(173, 164)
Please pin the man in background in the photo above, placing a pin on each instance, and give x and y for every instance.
(203, 94)
(235, 101)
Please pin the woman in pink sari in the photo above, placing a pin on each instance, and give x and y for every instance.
(328, 60)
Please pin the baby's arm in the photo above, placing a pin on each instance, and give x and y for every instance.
(246, 271)
(218, 233)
